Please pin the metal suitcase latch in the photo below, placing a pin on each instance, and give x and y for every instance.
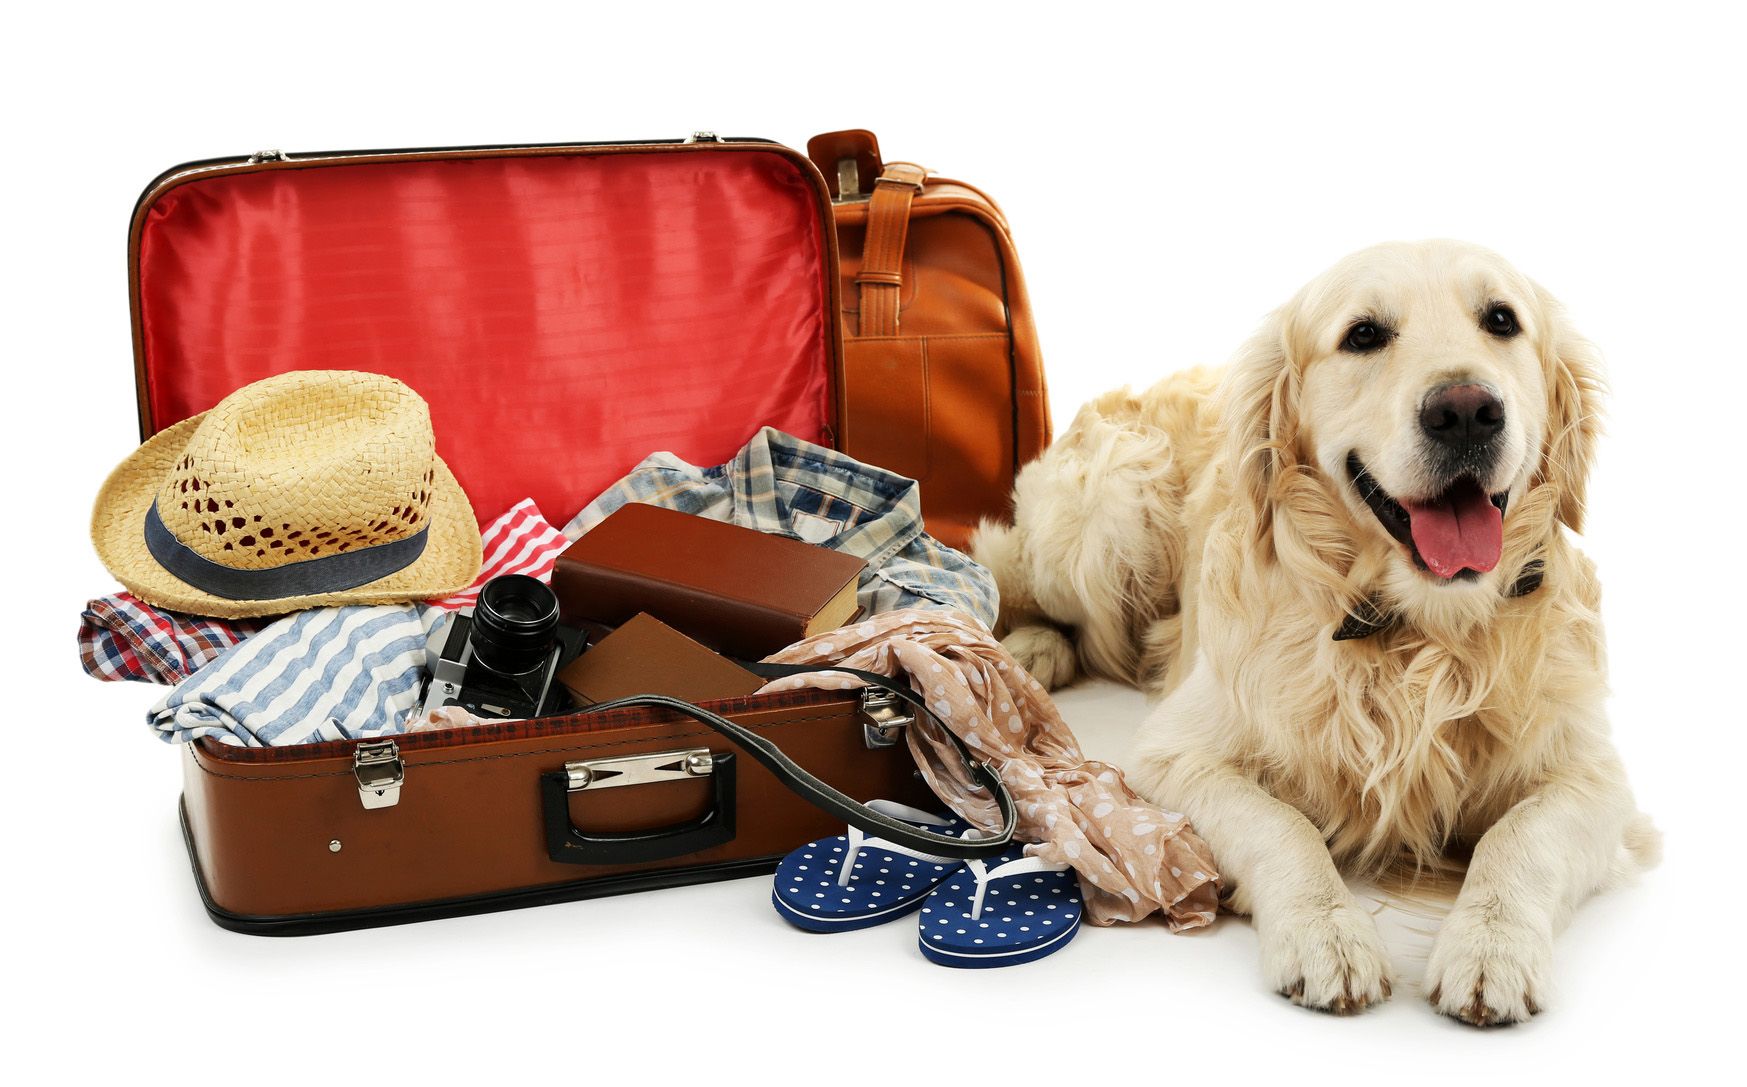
(380, 773)
(849, 182)
(639, 769)
(883, 716)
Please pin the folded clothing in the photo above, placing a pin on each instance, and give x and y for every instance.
(785, 486)
(338, 673)
(522, 541)
(323, 674)
(123, 638)
(1133, 858)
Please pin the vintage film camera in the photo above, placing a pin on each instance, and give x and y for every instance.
(501, 660)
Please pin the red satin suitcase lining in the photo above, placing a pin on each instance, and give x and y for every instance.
(563, 314)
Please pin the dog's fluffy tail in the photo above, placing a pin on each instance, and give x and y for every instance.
(1044, 652)
(1643, 842)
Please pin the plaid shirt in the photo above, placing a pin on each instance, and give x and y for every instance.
(123, 637)
(788, 487)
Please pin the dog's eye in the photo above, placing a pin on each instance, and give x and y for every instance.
(1500, 320)
(1365, 337)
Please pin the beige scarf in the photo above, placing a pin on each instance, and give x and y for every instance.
(1132, 857)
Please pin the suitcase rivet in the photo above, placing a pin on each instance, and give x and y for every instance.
(334, 846)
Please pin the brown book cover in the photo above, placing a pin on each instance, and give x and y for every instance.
(742, 592)
(646, 656)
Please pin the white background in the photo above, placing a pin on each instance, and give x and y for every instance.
(1171, 175)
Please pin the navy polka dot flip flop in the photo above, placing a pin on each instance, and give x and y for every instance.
(854, 881)
(1011, 910)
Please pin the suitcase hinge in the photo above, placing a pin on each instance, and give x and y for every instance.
(380, 773)
(883, 716)
(274, 155)
(703, 136)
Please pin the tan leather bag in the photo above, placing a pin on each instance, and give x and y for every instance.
(942, 372)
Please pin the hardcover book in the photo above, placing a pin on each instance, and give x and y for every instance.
(646, 656)
(738, 591)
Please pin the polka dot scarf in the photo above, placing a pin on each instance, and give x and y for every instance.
(1132, 858)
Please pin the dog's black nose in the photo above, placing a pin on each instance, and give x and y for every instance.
(1462, 417)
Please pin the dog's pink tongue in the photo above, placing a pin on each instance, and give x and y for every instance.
(1462, 530)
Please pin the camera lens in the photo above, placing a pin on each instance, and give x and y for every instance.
(513, 624)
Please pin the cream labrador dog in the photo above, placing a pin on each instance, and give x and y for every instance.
(1341, 564)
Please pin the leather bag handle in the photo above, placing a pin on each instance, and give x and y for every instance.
(881, 278)
(844, 807)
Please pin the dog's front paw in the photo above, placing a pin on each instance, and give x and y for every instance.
(1488, 971)
(1044, 652)
(1330, 958)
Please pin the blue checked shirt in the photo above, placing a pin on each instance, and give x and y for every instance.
(788, 487)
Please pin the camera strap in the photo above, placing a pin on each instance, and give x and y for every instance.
(823, 796)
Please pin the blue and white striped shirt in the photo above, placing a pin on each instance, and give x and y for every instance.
(323, 674)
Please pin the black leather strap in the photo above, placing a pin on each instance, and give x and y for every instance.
(824, 797)
(1363, 621)
(1533, 572)
(1368, 617)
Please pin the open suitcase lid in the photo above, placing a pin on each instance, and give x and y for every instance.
(565, 309)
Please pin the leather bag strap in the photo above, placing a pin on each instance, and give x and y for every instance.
(881, 278)
(844, 807)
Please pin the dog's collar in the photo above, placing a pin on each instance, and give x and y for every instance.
(1369, 618)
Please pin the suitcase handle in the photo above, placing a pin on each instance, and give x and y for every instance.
(567, 844)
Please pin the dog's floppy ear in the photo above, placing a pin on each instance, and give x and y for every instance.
(1259, 428)
(1574, 386)
(1287, 512)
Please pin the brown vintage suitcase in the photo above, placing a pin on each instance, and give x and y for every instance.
(942, 370)
(565, 310)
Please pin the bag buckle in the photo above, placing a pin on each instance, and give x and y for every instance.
(883, 716)
(904, 175)
(380, 773)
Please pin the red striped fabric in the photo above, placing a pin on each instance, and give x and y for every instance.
(519, 542)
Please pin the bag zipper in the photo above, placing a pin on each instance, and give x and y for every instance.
(275, 155)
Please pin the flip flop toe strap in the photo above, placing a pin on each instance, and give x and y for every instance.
(858, 841)
(985, 875)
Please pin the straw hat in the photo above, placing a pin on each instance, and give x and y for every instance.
(310, 488)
